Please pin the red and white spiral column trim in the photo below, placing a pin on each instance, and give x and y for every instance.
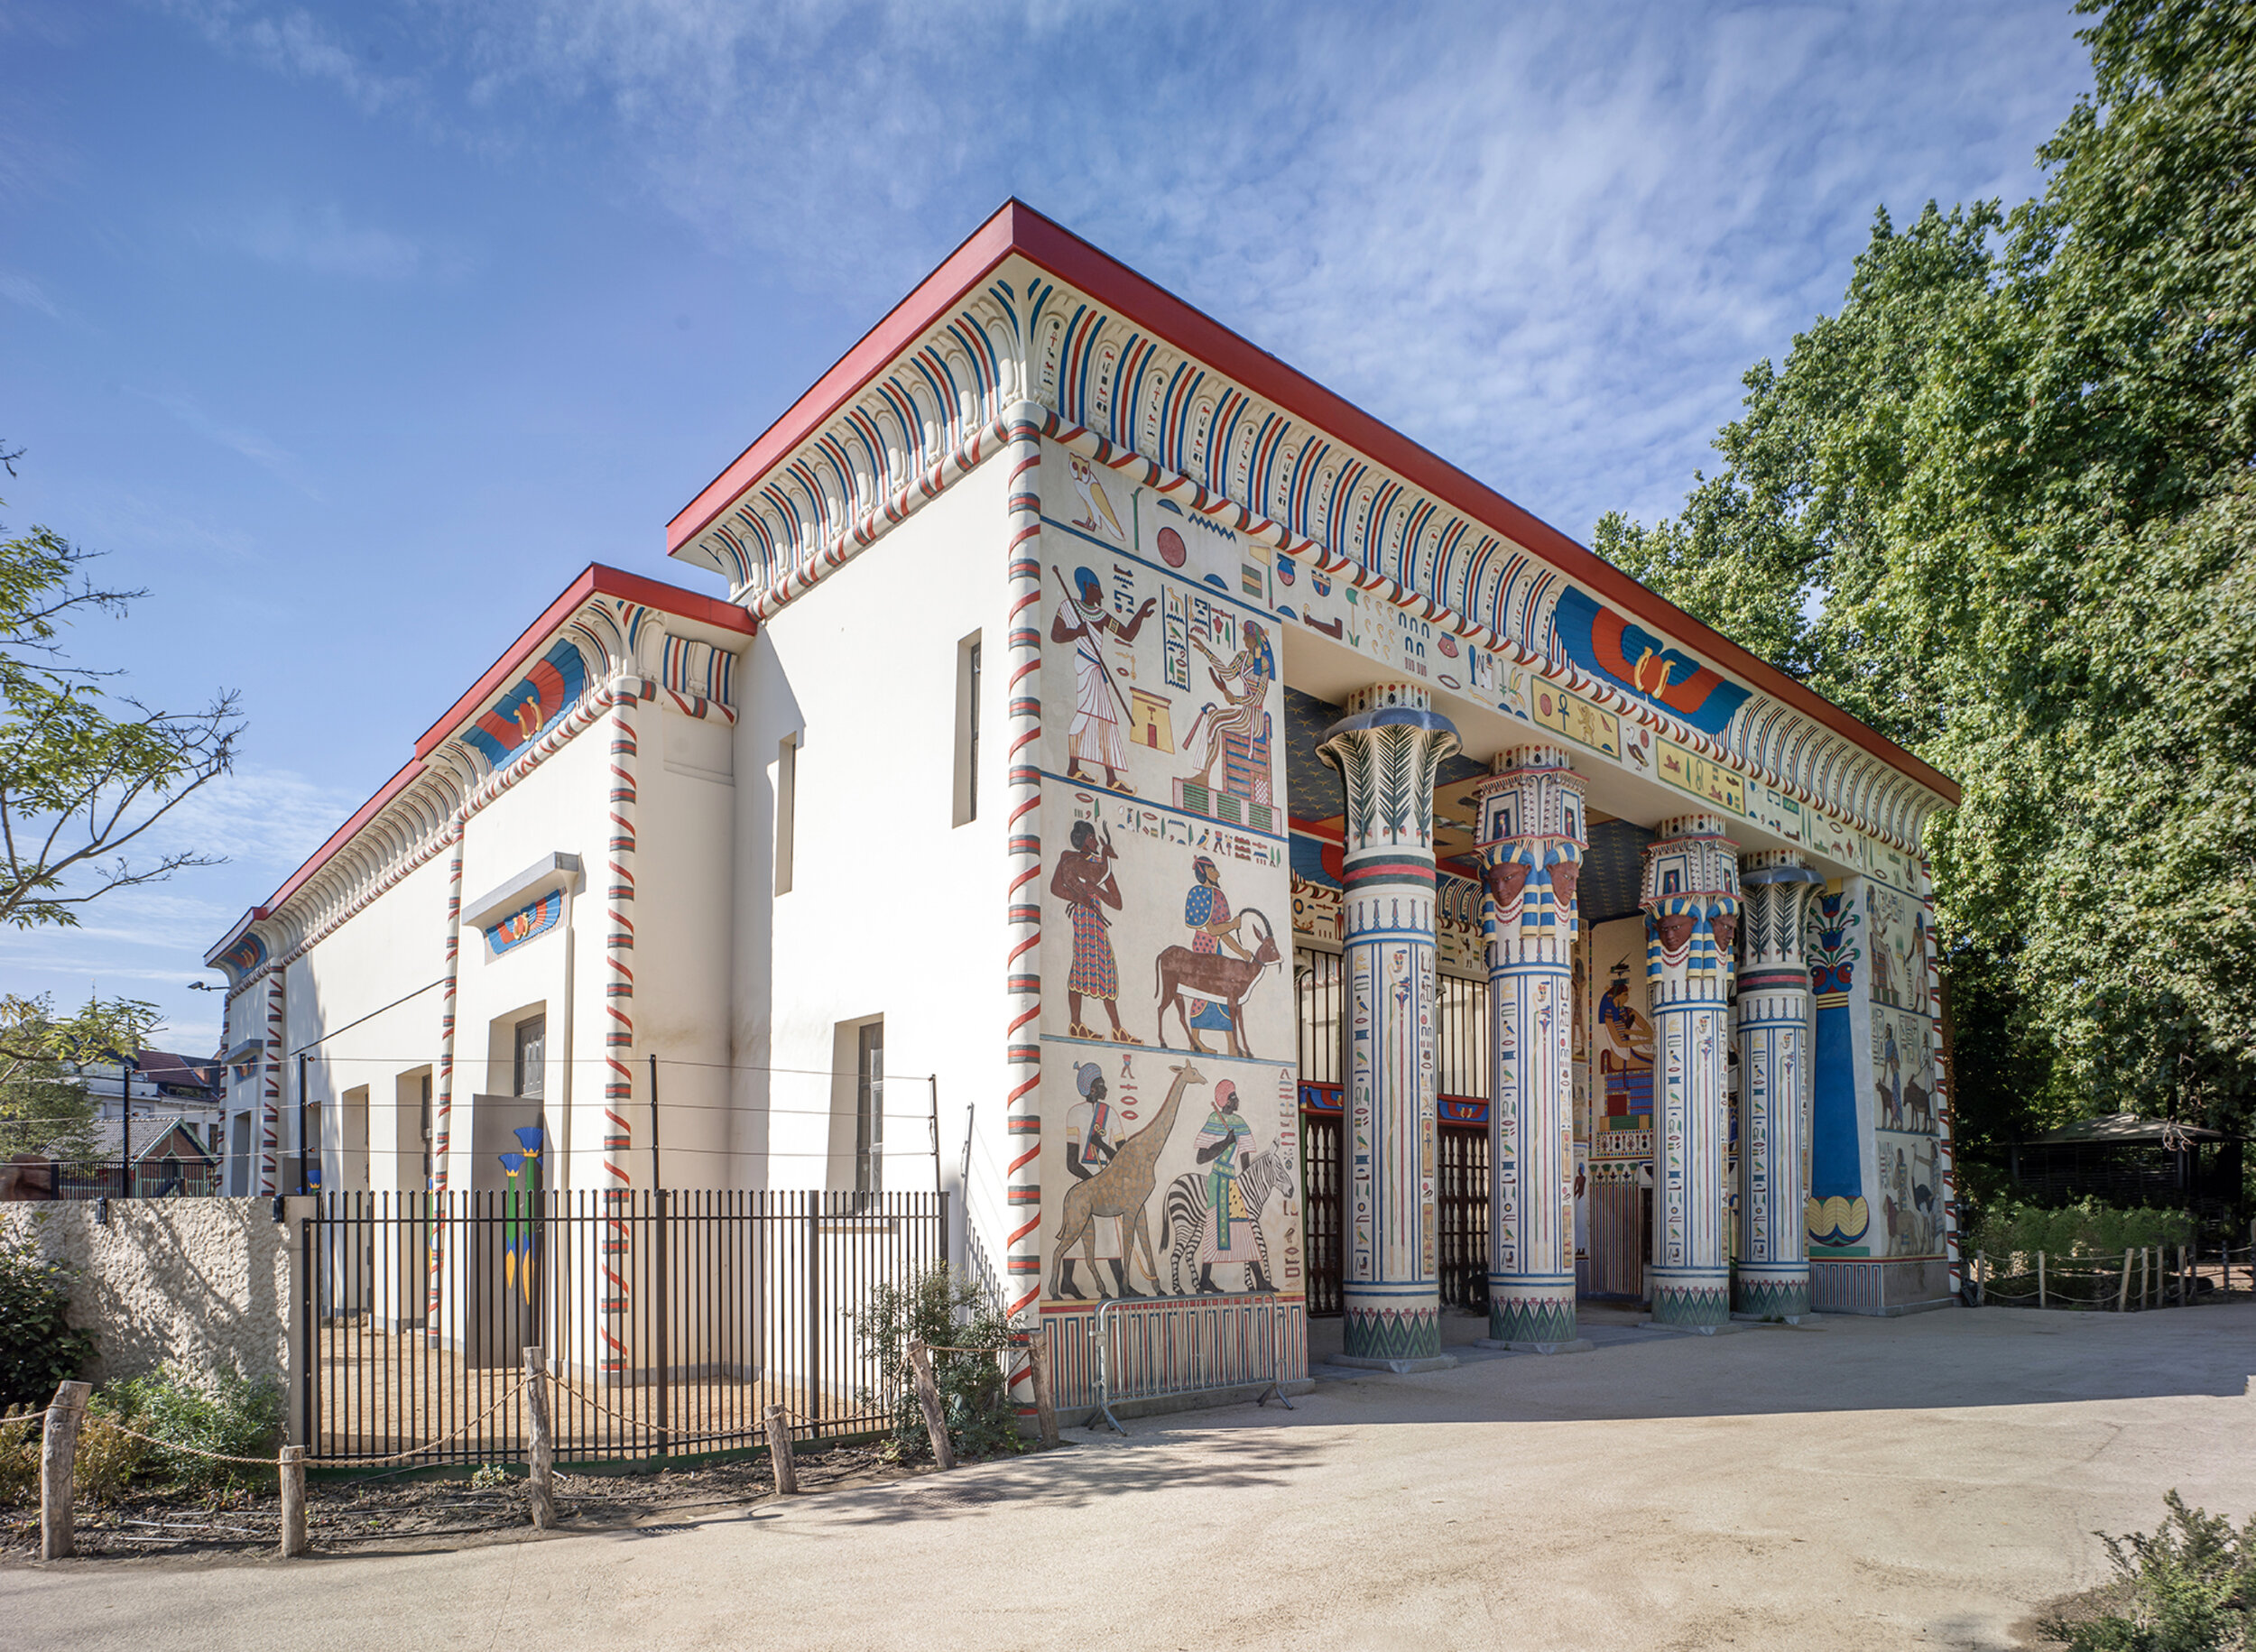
(618, 1038)
(1022, 975)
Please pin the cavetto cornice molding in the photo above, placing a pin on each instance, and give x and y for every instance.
(1026, 321)
(609, 632)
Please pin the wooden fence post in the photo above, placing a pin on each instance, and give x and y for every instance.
(540, 1450)
(293, 1501)
(58, 1457)
(780, 1453)
(1045, 1402)
(929, 1397)
(2040, 1279)
(2146, 1276)
(2122, 1296)
(2184, 1281)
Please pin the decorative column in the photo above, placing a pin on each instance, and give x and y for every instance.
(1772, 1278)
(1691, 901)
(1387, 749)
(1531, 842)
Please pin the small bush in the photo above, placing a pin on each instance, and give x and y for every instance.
(2189, 1587)
(107, 1457)
(19, 1458)
(217, 1412)
(943, 1309)
(39, 1348)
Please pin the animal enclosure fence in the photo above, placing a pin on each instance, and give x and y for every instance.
(669, 1320)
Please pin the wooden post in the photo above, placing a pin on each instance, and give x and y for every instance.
(2122, 1296)
(540, 1450)
(2185, 1280)
(1045, 1402)
(929, 1397)
(2146, 1276)
(780, 1453)
(58, 1457)
(293, 1501)
(1981, 1267)
(2040, 1279)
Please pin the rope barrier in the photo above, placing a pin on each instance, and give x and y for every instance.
(275, 1463)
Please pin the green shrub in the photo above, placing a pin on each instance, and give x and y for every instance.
(2190, 1587)
(213, 1412)
(2086, 1228)
(38, 1346)
(107, 1457)
(947, 1310)
(19, 1459)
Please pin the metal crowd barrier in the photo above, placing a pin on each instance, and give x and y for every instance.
(1191, 1345)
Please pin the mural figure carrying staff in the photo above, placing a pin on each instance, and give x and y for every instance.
(1088, 1148)
(1099, 708)
(1083, 880)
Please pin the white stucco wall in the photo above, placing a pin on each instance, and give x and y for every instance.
(893, 909)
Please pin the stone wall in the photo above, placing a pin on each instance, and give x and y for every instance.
(210, 1284)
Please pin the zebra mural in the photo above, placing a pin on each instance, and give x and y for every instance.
(1183, 1223)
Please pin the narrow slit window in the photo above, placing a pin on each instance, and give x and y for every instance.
(786, 809)
(968, 675)
(869, 1111)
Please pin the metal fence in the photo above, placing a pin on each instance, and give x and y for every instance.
(162, 1178)
(669, 1320)
(1159, 1347)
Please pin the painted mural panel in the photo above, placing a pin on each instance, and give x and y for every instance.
(1169, 1141)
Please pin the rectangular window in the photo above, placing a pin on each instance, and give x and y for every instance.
(786, 809)
(532, 1044)
(869, 1111)
(967, 665)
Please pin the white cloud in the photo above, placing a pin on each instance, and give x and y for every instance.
(260, 450)
(1546, 239)
(323, 242)
(22, 289)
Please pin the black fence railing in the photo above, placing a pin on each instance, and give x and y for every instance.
(668, 1321)
(164, 1178)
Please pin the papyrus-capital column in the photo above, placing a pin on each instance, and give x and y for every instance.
(1691, 899)
(1771, 1280)
(1388, 750)
(1533, 835)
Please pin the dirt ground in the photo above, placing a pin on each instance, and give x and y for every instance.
(1927, 1481)
(419, 1513)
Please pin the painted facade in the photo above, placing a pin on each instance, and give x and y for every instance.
(1076, 675)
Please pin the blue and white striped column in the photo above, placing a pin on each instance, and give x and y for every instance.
(1771, 1280)
(1691, 901)
(1531, 842)
(1387, 749)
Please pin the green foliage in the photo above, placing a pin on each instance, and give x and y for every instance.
(19, 1457)
(942, 1309)
(43, 1109)
(107, 1457)
(2000, 507)
(84, 773)
(2189, 1587)
(38, 1347)
(217, 1411)
(2086, 1228)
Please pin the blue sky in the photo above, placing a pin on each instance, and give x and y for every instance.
(353, 333)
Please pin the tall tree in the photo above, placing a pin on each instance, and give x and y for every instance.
(86, 773)
(2001, 505)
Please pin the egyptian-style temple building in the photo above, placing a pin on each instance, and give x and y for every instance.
(1282, 862)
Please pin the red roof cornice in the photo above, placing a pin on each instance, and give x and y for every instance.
(595, 580)
(1018, 228)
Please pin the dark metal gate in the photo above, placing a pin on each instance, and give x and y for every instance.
(669, 1320)
(1461, 1193)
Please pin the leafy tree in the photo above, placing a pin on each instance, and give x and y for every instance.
(45, 1107)
(38, 1347)
(84, 773)
(2000, 506)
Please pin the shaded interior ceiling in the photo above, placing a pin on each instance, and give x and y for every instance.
(1611, 866)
